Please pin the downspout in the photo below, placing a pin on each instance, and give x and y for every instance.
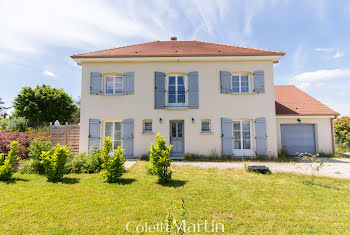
(332, 133)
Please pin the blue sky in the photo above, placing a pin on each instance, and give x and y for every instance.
(37, 38)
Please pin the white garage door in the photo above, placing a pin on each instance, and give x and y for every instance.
(298, 138)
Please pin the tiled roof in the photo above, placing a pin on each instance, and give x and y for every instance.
(290, 100)
(178, 49)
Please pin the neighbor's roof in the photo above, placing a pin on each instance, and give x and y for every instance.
(290, 100)
(177, 49)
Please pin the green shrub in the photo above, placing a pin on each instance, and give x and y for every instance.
(35, 150)
(160, 159)
(94, 161)
(7, 162)
(77, 164)
(113, 165)
(3, 123)
(54, 162)
(16, 124)
(29, 167)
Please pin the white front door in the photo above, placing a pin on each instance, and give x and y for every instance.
(242, 138)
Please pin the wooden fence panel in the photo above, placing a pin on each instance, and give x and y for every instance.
(66, 135)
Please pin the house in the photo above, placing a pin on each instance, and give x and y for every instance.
(204, 98)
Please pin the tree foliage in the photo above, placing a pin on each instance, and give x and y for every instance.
(342, 132)
(3, 113)
(44, 104)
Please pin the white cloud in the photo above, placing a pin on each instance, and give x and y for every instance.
(48, 73)
(325, 49)
(300, 58)
(318, 77)
(338, 54)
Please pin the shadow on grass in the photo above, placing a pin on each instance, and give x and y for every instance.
(14, 180)
(68, 180)
(124, 181)
(310, 183)
(174, 183)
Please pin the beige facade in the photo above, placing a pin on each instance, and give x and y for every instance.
(212, 104)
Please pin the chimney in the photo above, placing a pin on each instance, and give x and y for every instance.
(173, 38)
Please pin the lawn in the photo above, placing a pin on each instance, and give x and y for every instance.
(244, 202)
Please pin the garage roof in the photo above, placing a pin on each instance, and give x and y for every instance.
(290, 100)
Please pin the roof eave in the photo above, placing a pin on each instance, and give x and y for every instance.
(81, 59)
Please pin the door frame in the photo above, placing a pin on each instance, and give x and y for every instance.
(183, 137)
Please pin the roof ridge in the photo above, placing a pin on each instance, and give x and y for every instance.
(252, 48)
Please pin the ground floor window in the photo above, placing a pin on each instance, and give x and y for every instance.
(114, 130)
(242, 134)
(147, 126)
(206, 126)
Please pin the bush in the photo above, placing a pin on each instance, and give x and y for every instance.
(3, 123)
(77, 164)
(29, 167)
(83, 163)
(23, 139)
(283, 154)
(16, 124)
(160, 159)
(113, 165)
(35, 150)
(7, 162)
(94, 161)
(54, 162)
(342, 133)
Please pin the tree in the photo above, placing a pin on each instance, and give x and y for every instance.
(3, 113)
(44, 104)
(342, 133)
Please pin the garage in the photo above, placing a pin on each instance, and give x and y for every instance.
(298, 138)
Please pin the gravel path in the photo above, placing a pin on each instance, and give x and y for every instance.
(129, 163)
(339, 168)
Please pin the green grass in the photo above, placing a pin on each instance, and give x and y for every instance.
(244, 202)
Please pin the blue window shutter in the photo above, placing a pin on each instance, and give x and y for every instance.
(95, 83)
(128, 88)
(94, 133)
(128, 137)
(159, 90)
(261, 137)
(193, 96)
(226, 136)
(259, 81)
(225, 82)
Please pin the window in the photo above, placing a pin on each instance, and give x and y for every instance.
(147, 126)
(176, 89)
(242, 135)
(240, 83)
(114, 130)
(206, 128)
(113, 85)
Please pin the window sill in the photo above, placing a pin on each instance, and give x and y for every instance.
(206, 133)
(237, 93)
(147, 133)
(176, 107)
(113, 94)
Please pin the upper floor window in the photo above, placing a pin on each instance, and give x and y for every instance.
(176, 90)
(240, 83)
(113, 84)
